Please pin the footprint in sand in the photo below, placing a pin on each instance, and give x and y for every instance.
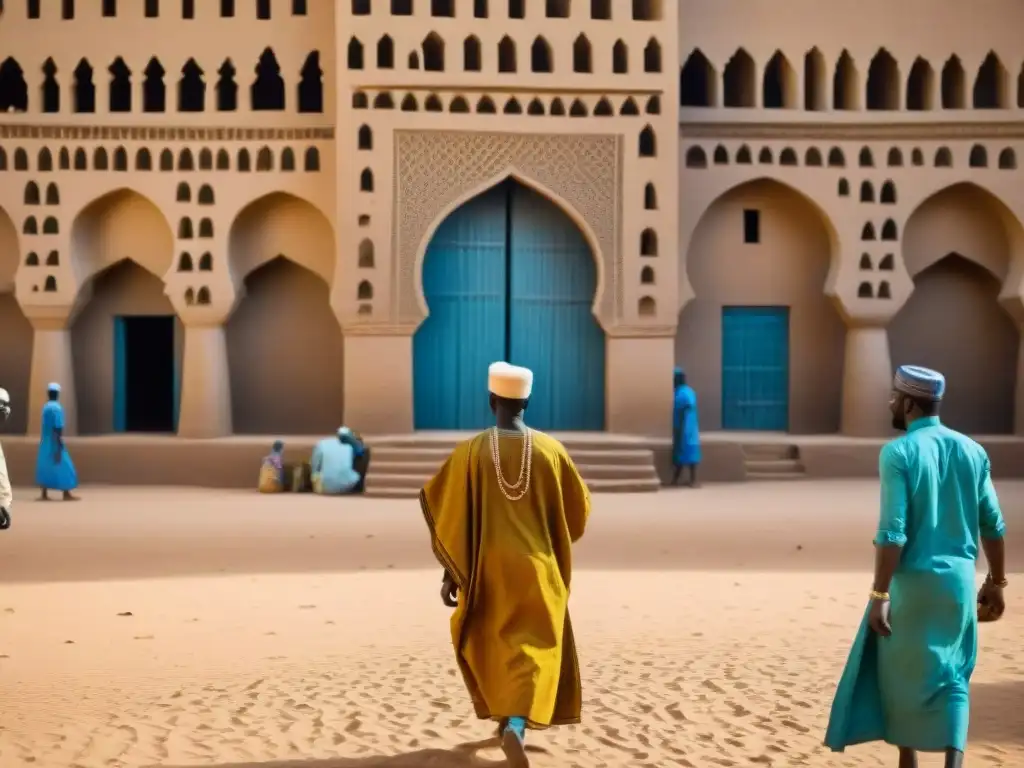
(306, 607)
(143, 637)
(126, 613)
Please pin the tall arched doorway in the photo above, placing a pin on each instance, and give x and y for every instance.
(127, 341)
(508, 276)
(16, 349)
(957, 248)
(761, 343)
(284, 342)
(127, 352)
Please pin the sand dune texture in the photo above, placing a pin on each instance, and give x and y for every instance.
(705, 668)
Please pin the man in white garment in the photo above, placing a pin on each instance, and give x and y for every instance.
(6, 497)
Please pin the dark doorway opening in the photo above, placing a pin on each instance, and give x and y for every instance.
(145, 398)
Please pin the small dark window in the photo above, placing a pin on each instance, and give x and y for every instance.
(110, 8)
(188, 9)
(67, 9)
(300, 7)
(263, 10)
(152, 9)
(33, 9)
(751, 226)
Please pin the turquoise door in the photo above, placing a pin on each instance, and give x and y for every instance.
(120, 375)
(509, 277)
(552, 329)
(464, 283)
(755, 368)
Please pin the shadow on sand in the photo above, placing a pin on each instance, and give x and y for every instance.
(462, 756)
(996, 713)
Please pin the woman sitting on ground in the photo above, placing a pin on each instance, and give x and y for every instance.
(272, 470)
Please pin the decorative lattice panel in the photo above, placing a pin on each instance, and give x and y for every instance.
(435, 168)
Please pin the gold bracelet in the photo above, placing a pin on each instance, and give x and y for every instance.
(876, 595)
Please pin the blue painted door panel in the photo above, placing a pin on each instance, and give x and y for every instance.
(120, 376)
(464, 283)
(552, 329)
(755, 368)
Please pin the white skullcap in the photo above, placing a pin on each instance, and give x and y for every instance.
(510, 381)
(344, 432)
(53, 386)
(5, 396)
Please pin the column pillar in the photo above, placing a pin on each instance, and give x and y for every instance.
(1018, 400)
(638, 380)
(867, 382)
(205, 407)
(51, 361)
(378, 378)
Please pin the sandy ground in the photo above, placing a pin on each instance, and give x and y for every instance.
(189, 628)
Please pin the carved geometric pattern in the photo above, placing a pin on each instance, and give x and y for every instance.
(162, 132)
(434, 168)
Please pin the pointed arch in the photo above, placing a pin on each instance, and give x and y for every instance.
(883, 86)
(844, 83)
(991, 84)
(953, 84)
(698, 81)
(779, 86)
(815, 81)
(739, 80)
(920, 86)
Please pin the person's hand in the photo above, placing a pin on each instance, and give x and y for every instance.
(449, 591)
(991, 603)
(878, 618)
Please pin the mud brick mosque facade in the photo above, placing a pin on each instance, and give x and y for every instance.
(276, 216)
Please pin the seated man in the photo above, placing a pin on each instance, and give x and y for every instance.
(332, 466)
(361, 450)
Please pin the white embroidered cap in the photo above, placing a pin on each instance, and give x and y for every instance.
(510, 381)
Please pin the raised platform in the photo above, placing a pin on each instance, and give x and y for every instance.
(609, 462)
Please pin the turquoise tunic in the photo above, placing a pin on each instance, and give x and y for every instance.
(51, 474)
(685, 432)
(911, 689)
(333, 462)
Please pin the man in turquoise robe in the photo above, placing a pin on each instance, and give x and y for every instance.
(907, 678)
(332, 465)
(54, 469)
(685, 432)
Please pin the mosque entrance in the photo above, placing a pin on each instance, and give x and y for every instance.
(508, 276)
(145, 379)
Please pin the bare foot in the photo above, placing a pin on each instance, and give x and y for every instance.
(69, 497)
(43, 497)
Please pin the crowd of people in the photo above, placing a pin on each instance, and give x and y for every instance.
(507, 506)
(337, 466)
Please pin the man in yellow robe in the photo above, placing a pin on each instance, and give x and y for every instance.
(503, 513)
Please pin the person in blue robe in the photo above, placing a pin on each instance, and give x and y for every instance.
(907, 678)
(361, 454)
(685, 432)
(332, 466)
(54, 468)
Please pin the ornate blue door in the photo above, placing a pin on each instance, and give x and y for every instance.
(755, 368)
(464, 283)
(552, 329)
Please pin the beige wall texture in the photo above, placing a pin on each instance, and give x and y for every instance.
(272, 178)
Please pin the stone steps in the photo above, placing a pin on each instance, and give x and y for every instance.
(773, 461)
(400, 467)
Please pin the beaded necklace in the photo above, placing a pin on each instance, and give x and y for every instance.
(508, 489)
